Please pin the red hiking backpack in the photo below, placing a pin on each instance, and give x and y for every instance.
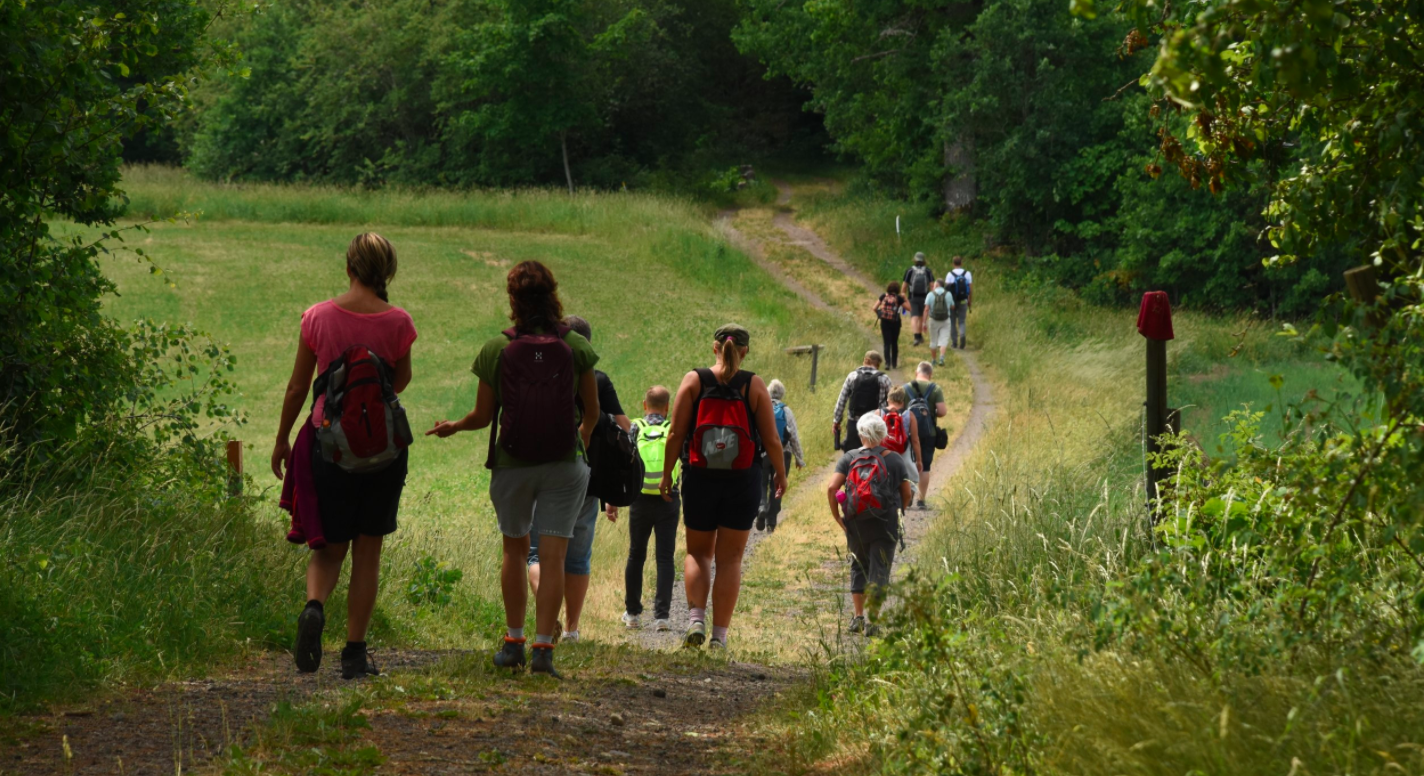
(896, 437)
(537, 418)
(722, 432)
(869, 487)
(364, 427)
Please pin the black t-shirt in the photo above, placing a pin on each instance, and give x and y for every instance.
(607, 397)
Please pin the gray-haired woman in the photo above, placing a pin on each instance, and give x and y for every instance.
(872, 529)
(790, 446)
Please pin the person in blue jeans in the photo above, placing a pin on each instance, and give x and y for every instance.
(652, 517)
(578, 558)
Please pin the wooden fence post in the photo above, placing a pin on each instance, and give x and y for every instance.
(234, 467)
(815, 351)
(1364, 289)
(1154, 321)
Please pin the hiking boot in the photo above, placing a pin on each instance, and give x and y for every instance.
(921, 505)
(696, 634)
(512, 655)
(760, 522)
(356, 662)
(309, 626)
(543, 661)
(662, 625)
(715, 644)
(558, 631)
(857, 624)
(632, 621)
(570, 637)
(871, 630)
(771, 524)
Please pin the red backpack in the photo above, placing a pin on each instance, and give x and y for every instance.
(364, 427)
(869, 485)
(896, 438)
(722, 436)
(536, 416)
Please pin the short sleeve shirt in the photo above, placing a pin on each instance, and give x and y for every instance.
(899, 469)
(968, 277)
(486, 368)
(607, 397)
(329, 329)
(920, 388)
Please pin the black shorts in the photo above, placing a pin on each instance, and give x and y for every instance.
(712, 500)
(357, 504)
(927, 451)
(917, 306)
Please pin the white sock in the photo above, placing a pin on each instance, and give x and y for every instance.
(719, 633)
(696, 615)
(542, 639)
(516, 633)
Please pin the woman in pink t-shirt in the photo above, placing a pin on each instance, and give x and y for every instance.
(356, 510)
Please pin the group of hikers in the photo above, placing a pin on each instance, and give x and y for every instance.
(936, 307)
(714, 453)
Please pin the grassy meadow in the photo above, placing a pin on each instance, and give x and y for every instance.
(649, 272)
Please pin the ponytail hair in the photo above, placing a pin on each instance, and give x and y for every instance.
(731, 357)
(371, 259)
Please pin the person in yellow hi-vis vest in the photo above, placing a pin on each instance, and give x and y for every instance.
(650, 516)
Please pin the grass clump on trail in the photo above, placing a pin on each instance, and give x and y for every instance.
(1045, 629)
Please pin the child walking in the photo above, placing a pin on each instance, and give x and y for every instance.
(652, 517)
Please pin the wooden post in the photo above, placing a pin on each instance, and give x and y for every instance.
(234, 467)
(815, 351)
(1364, 289)
(1154, 321)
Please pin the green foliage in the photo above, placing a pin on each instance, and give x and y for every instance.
(77, 77)
(432, 582)
(489, 92)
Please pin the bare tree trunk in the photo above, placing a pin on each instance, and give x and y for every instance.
(568, 174)
(960, 188)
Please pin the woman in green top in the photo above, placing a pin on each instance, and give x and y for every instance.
(523, 491)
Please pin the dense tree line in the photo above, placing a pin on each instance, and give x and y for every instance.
(489, 92)
(1034, 120)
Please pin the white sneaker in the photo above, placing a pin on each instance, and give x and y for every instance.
(662, 626)
(633, 621)
(570, 637)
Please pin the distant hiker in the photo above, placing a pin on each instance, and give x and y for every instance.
(651, 516)
(940, 308)
(864, 391)
(578, 558)
(917, 282)
(902, 433)
(539, 470)
(888, 309)
(722, 423)
(876, 486)
(961, 285)
(790, 444)
(927, 405)
(345, 475)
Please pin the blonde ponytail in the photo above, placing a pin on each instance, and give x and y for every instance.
(731, 357)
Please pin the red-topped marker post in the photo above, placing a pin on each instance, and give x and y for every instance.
(1154, 321)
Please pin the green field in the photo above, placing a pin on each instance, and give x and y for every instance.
(649, 273)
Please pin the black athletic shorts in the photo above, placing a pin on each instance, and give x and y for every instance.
(927, 451)
(712, 500)
(917, 306)
(357, 504)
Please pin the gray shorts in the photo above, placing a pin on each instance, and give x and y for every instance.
(551, 494)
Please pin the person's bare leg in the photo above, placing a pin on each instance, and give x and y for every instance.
(534, 579)
(323, 569)
(551, 585)
(365, 579)
(924, 484)
(512, 575)
(575, 591)
(697, 568)
(857, 602)
(727, 587)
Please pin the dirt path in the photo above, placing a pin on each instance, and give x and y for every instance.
(645, 707)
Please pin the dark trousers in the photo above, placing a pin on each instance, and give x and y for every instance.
(870, 542)
(770, 502)
(851, 440)
(890, 335)
(650, 516)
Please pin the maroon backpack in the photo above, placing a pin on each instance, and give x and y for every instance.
(536, 418)
(364, 427)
